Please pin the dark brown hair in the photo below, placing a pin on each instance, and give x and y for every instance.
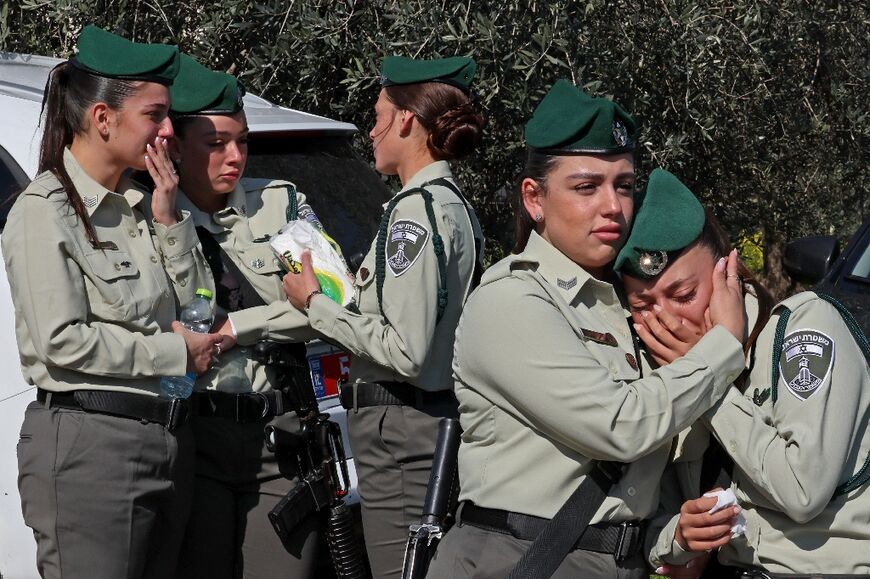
(69, 92)
(455, 125)
(716, 241)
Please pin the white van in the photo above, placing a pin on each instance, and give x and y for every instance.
(313, 152)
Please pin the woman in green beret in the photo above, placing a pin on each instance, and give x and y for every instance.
(794, 424)
(237, 479)
(96, 270)
(411, 288)
(566, 431)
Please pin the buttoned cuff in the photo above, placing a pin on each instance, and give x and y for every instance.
(169, 354)
(176, 240)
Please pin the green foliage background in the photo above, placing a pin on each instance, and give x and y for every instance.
(759, 106)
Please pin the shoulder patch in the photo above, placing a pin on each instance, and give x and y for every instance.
(806, 361)
(405, 243)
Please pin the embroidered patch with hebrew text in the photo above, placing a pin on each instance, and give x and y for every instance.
(806, 361)
(405, 244)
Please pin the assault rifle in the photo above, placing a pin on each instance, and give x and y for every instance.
(316, 455)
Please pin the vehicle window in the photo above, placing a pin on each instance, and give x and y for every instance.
(343, 190)
(861, 270)
(13, 180)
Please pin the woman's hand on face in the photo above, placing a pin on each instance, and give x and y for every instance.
(165, 178)
(726, 303)
(299, 286)
(203, 350)
(691, 570)
(699, 530)
(666, 336)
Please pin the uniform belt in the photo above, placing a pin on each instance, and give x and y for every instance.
(759, 574)
(390, 394)
(170, 412)
(621, 540)
(242, 407)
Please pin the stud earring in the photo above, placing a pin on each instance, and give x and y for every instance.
(539, 217)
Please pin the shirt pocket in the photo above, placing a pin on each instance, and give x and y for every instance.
(112, 288)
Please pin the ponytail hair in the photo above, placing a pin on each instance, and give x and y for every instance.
(454, 124)
(69, 93)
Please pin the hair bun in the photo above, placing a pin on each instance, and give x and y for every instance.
(456, 133)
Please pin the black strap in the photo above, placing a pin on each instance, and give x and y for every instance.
(558, 537)
(618, 539)
(243, 407)
(366, 394)
(170, 412)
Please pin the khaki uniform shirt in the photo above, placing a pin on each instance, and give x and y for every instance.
(89, 318)
(406, 344)
(255, 210)
(790, 456)
(547, 382)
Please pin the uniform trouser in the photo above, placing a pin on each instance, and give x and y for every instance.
(105, 496)
(470, 552)
(392, 449)
(238, 482)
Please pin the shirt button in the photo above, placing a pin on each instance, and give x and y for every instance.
(154, 259)
(732, 446)
(117, 267)
(631, 491)
(182, 283)
(170, 241)
(132, 233)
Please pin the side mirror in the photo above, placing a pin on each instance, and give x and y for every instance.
(808, 259)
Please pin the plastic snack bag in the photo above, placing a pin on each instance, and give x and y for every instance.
(329, 267)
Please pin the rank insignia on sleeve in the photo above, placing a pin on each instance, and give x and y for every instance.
(567, 284)
(806, 361)
(405, 244)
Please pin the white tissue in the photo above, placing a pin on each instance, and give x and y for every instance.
(724, 499)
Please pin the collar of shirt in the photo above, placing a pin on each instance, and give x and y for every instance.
(91, 192)
(236, 204)
(436, 170)
(559, 271)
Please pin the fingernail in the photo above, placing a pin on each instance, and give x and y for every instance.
(660, 570)
(146, 156)
(645, 313)
(657, 307)
(720, 265)
(636, 327)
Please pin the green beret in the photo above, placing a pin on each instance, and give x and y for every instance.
(667, 220)
(568, 121)
(198, 90)
(107, 54)
(457, 71)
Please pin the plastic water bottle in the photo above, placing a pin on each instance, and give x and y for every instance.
(197, 316)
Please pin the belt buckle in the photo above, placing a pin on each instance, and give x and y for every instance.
(628, 531)
(176, 415)
(241, 407)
